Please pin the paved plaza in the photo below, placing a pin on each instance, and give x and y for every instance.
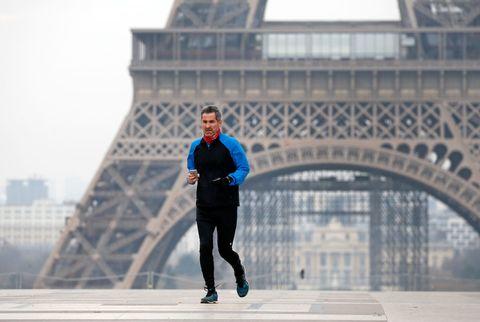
(183, 305)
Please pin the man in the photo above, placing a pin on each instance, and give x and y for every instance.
(219, 165)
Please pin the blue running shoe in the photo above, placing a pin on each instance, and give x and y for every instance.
(242, 284)
(242, 287)
(211, 297)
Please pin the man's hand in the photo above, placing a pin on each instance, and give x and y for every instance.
(192, 177)
(225, 181)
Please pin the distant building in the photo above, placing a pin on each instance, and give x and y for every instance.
(37, 225)
(188, 244)
(460, 235)
(25, 192)
(437, 255)
(449, 229)
(333, 257)
(3, 195)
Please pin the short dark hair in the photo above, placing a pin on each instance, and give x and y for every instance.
(212, 109)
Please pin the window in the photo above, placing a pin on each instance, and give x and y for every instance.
(473, 46)
(409, 46)
(375, 45)
(323, 259)
(323, 277)
(454, 44)
(361, 277)
(361, 237)
(346, 279)
(331, 46)
(336, 46)
(233, 46)
(335, 259)
(430, 44)
(285, 46)
(198, 46)
(362, 260)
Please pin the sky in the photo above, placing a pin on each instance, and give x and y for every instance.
(64, 81)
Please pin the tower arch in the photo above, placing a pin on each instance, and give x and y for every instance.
(461, 197)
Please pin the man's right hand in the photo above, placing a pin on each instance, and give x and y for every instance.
(192, 177)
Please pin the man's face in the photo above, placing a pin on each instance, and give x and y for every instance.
(210, 125)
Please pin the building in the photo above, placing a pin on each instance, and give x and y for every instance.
(25, 192)
(461, 235)
(449, 230)
(438, 253)
(189, 244)
(333, 257)
(39, 224)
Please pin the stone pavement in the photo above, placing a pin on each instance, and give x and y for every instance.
(259, 305)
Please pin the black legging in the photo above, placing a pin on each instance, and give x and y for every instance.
(225, 219)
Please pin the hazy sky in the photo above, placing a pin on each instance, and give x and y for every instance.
(64, 82)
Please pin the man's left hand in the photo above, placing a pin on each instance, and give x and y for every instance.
(225, 181)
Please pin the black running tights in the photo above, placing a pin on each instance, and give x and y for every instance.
(225, 220)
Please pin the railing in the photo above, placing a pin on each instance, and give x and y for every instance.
(435, 282)
(404, 45)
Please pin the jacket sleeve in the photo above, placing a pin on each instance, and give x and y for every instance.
(191, 155)
(240, 159)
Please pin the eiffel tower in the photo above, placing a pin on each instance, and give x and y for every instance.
(396, 98)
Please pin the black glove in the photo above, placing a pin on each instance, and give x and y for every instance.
(225, 181)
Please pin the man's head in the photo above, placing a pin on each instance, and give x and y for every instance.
(211, 120)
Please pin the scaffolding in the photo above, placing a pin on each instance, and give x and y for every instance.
(393, 214)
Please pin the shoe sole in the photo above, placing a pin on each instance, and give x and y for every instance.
(207, 302)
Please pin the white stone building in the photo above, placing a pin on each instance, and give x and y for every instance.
(460, 235)
(333, 257)
(37, 225)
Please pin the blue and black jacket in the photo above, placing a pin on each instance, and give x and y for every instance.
(223, 157)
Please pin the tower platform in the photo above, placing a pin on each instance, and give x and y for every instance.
(259, 305)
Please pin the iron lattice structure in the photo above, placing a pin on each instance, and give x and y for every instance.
(265, 237)
(396, 214)
(399, 98)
